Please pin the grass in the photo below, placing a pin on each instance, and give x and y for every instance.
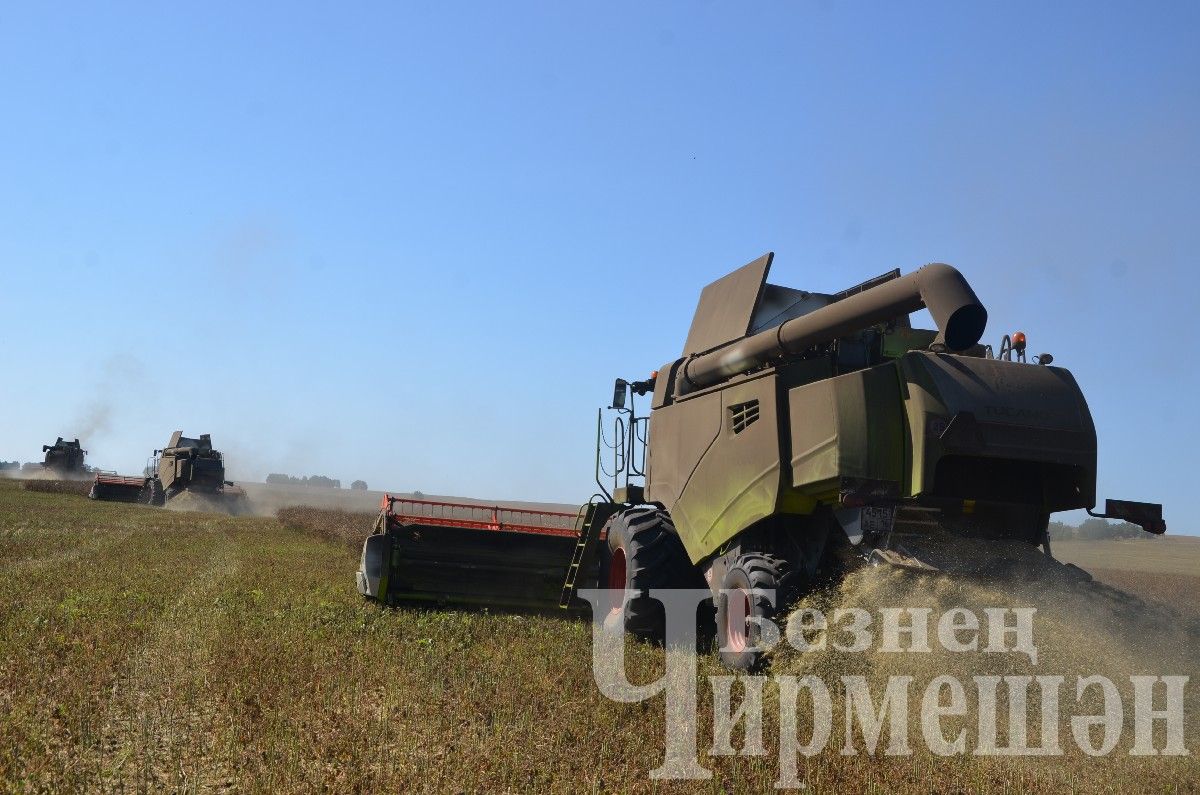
(143, 649)
(339, 526)
(78, 487)
(1150, 554)
(1163, 569)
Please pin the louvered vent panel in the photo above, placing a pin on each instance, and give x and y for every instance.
(743, 415)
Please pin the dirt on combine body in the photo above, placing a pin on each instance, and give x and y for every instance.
(185, 465)
(801, 433)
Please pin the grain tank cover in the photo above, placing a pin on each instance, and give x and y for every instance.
(742, 303)
(727, 306)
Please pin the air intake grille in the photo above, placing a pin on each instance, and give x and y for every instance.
(743, 415)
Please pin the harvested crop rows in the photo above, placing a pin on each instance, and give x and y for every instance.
(144, 649)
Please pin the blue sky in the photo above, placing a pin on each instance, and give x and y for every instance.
(415, 243)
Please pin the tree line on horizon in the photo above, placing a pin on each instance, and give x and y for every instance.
(1094, 530)
(319, 481)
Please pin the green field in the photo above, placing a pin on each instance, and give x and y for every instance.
(143, 649)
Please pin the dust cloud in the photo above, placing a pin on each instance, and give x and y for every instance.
(1081, 628)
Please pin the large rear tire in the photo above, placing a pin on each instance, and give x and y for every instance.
(644, 552)
(739, 635)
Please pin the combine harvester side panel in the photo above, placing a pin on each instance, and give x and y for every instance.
(455, 553)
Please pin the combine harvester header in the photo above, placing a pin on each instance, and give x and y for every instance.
(458, 553)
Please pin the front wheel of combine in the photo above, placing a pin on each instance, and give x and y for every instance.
(644, 552)
(152, 493)
(754, 590)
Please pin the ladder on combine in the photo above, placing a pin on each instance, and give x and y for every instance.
(590, 519)
(628, 448)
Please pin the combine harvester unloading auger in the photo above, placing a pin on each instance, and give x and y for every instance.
(799, 433)
(184, 466)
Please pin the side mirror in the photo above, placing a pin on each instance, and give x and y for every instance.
(1146, 514)
(619, 390)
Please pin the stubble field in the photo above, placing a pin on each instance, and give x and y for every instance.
(143, 650)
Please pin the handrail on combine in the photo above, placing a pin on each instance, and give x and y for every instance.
(407, 510)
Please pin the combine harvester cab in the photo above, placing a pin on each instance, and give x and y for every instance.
(461, 554)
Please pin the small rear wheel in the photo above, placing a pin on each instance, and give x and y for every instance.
(744, 604)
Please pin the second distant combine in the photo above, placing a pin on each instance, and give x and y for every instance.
(184, 466)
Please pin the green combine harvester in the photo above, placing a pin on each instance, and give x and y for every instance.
(184, 466)
(799, 433)
(65, 458)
